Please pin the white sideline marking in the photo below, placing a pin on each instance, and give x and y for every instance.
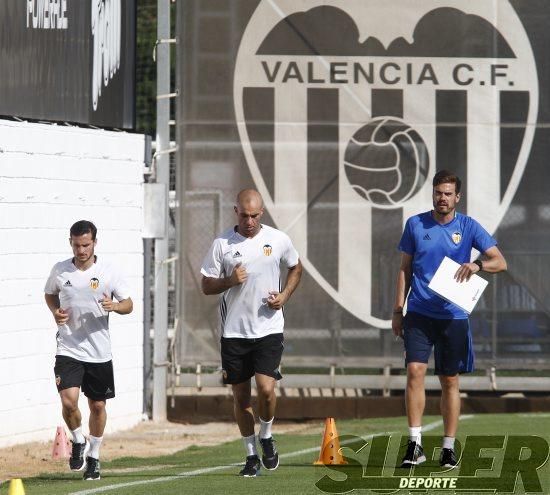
(197, 472)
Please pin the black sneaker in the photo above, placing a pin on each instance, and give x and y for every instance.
(447, 458)
(251, 467)
(415, 455)
(78, 454)
(270, 456)
(92, 469)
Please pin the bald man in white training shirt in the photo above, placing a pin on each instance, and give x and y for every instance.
(244, 266)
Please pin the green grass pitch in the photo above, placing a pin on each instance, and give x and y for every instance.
(209, 470)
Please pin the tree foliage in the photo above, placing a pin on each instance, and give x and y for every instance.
(146, 72)
(146, 69)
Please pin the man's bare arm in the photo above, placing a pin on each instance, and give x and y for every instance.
(493, 262)
(402, 289)
(60, 316)
(276, 299)
(212, 285)
(122, 307)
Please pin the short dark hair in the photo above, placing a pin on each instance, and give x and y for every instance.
(83, 227)
(446, 177)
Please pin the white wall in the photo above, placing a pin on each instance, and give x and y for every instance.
(50, 177)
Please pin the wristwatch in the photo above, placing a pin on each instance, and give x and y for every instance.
(479, 263)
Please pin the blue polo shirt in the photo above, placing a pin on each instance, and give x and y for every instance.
(428, 243)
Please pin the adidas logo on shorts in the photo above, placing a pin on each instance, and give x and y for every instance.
(67, 284)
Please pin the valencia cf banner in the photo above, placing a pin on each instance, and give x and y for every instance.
(69, 60)
(339, 113)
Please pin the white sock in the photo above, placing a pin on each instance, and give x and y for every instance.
(78, 436)
(250, 445)
(95, 443)
(265, 428)
(449, 442)
(415, 434)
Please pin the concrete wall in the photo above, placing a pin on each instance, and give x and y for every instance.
(50, 177)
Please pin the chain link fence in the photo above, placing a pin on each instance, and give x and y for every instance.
(511, 325)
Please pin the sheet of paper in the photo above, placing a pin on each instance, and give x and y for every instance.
(463, 294)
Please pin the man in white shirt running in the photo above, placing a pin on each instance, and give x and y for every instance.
(79, 293)
(244, 266)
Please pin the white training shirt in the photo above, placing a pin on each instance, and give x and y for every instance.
(86, 335)
(244, 310)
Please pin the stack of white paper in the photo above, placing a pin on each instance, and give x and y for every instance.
(464, 294)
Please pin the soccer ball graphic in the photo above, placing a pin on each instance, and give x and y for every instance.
(386, 162)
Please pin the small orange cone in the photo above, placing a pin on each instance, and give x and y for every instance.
(330, 446)
(16, 487)
(61, 448)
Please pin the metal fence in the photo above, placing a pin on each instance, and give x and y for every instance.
(242, 125)
(510, 328)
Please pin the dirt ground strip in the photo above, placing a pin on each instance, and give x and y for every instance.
(148, 439)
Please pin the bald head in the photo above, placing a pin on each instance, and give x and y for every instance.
(250, 197)
(249, 210)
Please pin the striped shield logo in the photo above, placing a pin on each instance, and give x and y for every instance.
(346, 109)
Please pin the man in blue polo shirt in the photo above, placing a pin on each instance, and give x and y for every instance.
(431, 322)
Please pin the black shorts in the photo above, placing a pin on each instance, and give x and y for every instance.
(243, 358)
(96, 379)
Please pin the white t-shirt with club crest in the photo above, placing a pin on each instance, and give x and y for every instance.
(243, 308)
(86, 335)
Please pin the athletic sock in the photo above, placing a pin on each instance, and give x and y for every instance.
(265, 428)
(250, 445)
(449, 442)
(415, 434)
(78, 436)
(95, 443)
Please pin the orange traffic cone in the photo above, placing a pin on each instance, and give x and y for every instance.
(16, 487)
(330, 446)
(61, 448)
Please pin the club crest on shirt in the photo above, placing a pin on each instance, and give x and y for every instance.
(456, 237)
(94, 283)
(267, 250)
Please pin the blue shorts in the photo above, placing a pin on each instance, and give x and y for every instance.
(450, 339)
